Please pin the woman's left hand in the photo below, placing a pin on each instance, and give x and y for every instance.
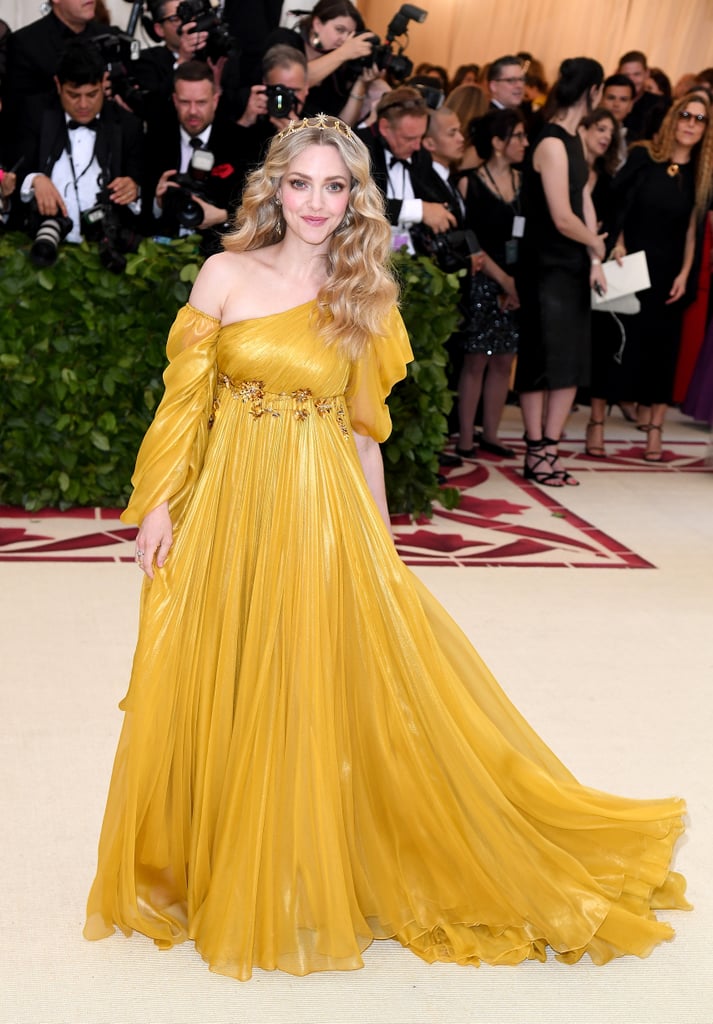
(677, 289)
(355, 46)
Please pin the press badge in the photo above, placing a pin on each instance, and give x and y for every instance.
(518, 226)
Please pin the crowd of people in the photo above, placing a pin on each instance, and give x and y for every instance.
(527, 188)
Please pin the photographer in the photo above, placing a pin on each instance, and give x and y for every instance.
(33, 55)
(192, 182)
(81, 146)
(178, 44)
(333, 39)
(271, 104)
(401, 122)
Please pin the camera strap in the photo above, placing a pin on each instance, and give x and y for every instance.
(77, 178)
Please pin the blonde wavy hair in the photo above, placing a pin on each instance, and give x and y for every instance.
(663, 143)
(360, 291)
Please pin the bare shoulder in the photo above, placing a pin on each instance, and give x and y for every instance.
(216, 281)
(549, 153)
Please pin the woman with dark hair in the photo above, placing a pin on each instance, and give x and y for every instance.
(490, 331)
(561, 259)
(661, 196)
(599, 132)
(659, 84)
(333, 39)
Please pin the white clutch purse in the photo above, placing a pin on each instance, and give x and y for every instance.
(623, 282)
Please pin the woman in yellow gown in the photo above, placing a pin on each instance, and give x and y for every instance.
(313, 755)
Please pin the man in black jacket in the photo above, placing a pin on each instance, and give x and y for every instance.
(34, 53)
(200, 148)
(401, 121)
(79, 146)
(153, 71)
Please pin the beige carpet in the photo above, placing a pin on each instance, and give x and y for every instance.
(614, 668)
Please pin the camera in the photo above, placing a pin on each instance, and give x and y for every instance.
(51, 231)
(281, 100)
(389, 56)
(220, 42)
(118, 50)
(101, 224)
(179, 206)
(451, 250)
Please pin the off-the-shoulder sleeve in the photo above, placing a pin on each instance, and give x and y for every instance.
(374, 375)
(172, 452)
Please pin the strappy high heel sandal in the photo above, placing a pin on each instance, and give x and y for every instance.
(536, 456)
(595, 451)
(653, 455)
(567, 479)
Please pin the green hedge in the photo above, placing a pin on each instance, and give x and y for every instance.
(82, 352)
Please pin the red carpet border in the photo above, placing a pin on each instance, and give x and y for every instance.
(503, 520)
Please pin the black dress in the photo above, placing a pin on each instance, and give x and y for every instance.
(488, 327)
(553, 283)
(653, 209)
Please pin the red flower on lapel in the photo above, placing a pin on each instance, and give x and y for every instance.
(222, 171)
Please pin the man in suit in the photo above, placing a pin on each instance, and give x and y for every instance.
(392, 141)
(645, 117)
(506, 85)
(618, 99)
(196, 143)
(34, 53)
(177, 44)
(281, 66)
(81, 145)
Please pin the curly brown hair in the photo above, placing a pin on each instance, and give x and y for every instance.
(662, 145)
(360, 291)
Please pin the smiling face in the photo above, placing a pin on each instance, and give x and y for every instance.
(691, 123)
(314, 193)
(637, 72)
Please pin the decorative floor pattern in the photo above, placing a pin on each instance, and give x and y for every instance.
(503, 520)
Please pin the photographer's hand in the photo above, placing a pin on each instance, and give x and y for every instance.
(438, 217)
(212, 215)
(356, 46)
(164, 182)
(48, 199)
(190, 42)
(123, 191)
(255, 107)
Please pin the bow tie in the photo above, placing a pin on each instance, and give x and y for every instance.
(393, 160)
(92, 126)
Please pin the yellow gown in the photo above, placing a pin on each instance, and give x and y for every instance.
(313, 755)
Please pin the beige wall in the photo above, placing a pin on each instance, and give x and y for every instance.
(677, 35)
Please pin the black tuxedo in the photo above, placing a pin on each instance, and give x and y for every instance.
(33, 55)
(222, 188)
(429, 186)
(119, 146)
(380, 154)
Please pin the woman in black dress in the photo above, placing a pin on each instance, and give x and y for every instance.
(661, 195)
(561, 258)
(491, 330)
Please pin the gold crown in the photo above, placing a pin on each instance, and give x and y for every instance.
(321, 121)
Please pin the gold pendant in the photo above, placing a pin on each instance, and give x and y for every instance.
(672, 170)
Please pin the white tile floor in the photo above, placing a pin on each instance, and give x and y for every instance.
(614, 668)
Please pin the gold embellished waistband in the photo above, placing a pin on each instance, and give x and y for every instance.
(262, 403)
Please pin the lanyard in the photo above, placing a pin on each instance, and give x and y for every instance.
(75, 179)
(515, 201)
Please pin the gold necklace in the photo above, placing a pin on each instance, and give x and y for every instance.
(672, 170)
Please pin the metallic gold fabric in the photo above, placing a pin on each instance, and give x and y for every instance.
(313, 755)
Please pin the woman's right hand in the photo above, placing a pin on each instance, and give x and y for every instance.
(154, 539)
